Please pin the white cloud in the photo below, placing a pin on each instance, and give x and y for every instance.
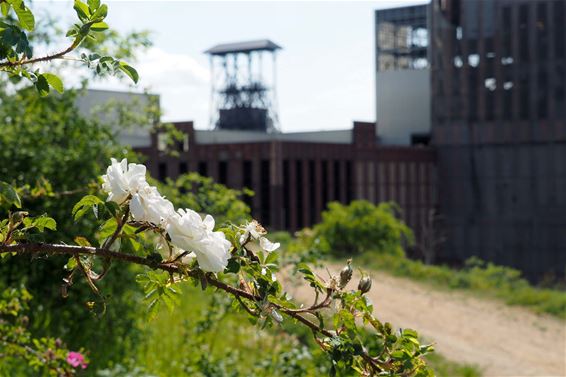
(160, 69)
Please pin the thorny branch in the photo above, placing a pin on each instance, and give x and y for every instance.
(57, 249)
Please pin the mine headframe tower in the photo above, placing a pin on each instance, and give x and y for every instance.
(243, 97)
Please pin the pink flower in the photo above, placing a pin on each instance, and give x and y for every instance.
(76, 359)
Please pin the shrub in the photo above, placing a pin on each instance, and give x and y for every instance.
(204, 195)
(362, 226)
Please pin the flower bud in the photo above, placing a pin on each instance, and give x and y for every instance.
(346, 275)
(276, 316)
(50, 355)
(365, 284)
(19, 216)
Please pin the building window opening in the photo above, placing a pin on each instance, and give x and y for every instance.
(473, 60)
(349, 182)
(299, 193)
(506, 60)
(459, 33)
(202, 168)
(458, 62)
(183, 168)
(265, 193)
(286, 196)
(162, 141)
(247, 180)
(337, 182)
(490, 84)
(162, 171)
(223, 172)
(312, 192)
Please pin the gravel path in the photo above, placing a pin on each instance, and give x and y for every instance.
(502, 340)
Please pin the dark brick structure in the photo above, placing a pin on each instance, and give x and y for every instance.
(294, 175)
(499, 128)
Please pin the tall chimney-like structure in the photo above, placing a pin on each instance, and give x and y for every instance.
(243, 95)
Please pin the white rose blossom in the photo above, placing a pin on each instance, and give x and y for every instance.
(123, 179)
(188, 231)
(147, 205)
(253, 238)
(170, 253)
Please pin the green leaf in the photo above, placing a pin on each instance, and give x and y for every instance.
(93, 5)
(84, 205)
(82, 10)
(410, 333)
(82, 241)
(108, 228)
(5, 8)
(129, 71)
(43, 222)
(71, 264)
(100, 13)
(99, 26)
(8, 194)
(310, 276)
(42, 85)
(54, 81)
(272, 258)
(25, 16)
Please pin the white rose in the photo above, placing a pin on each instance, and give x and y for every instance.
(252, 231)
(213, 252)
(262, 244)
(147, 205)
(189, 232)
(186, 228)
(122, 179)
(253, 238)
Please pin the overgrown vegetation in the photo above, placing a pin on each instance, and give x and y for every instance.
(350, 229)
(222, 345)
(204, 195)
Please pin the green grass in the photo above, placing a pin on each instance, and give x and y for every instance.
(204, 336)
(500, 282)
(446, 368)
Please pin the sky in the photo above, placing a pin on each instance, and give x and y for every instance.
(325, 71)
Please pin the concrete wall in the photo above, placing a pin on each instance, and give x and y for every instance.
(133, 135)
(505, 204)
(403, 105)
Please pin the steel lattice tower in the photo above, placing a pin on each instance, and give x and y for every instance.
(243, 97)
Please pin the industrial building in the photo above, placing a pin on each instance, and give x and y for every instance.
(480, 159)
(493, 104)
(499, 129)
(293, 175)
(402, 75)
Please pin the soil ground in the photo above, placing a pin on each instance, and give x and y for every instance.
(501, 340)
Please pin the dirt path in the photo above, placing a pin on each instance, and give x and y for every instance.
(501, 340)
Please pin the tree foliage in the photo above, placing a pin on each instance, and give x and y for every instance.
(17, 52)
(206, 196)
(337, 318)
